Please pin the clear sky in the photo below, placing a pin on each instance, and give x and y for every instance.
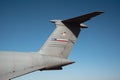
(24, 27)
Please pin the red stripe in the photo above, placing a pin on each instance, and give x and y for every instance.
(62, 40)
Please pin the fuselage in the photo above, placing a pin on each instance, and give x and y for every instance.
(14, 64)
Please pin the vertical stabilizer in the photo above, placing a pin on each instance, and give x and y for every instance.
(60, 42)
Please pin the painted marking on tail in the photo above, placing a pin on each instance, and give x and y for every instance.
(63, 34)
(59, 40)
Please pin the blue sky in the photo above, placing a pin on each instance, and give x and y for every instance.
(24, 27)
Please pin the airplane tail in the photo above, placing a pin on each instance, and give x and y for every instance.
(60, 42)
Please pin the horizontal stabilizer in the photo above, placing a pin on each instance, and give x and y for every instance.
(83, 18)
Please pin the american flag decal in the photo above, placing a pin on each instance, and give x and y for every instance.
(59, 40)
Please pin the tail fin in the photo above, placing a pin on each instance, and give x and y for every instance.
(64, 36)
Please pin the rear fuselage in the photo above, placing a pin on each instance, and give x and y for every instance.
(14, 64)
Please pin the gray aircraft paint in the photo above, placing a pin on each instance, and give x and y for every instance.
(53, 54)
(60, 42)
